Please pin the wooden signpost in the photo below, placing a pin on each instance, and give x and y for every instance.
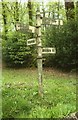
(39, 52)
(38, 42)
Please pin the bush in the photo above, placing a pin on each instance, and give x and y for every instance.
(15, 50)
(64, 38)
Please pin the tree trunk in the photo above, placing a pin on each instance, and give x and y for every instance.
(69, 6)
(43, 9)
(16, 13)
(30, 12)
(58, 13)
(4, 14)
(77, 10)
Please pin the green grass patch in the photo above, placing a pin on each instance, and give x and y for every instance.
(20, 97)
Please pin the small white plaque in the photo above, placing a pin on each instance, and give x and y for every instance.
(31, 41)
(48, 50)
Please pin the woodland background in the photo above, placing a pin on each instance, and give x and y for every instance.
(16, 53)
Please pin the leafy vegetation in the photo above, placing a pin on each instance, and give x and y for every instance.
(20, 97)
(65, 41)
(63, 38)
(15, 50)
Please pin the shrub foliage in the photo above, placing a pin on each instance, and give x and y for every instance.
(15, 50)
(64, 38)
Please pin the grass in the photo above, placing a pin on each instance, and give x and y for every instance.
(20, 97)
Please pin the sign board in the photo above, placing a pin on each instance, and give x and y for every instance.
(57, 22)
(25, 28)
(20, 26)
(31, 41)
(48, 50)
(48, 21)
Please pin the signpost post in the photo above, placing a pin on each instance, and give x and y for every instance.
(39, 52)
(38, 42)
